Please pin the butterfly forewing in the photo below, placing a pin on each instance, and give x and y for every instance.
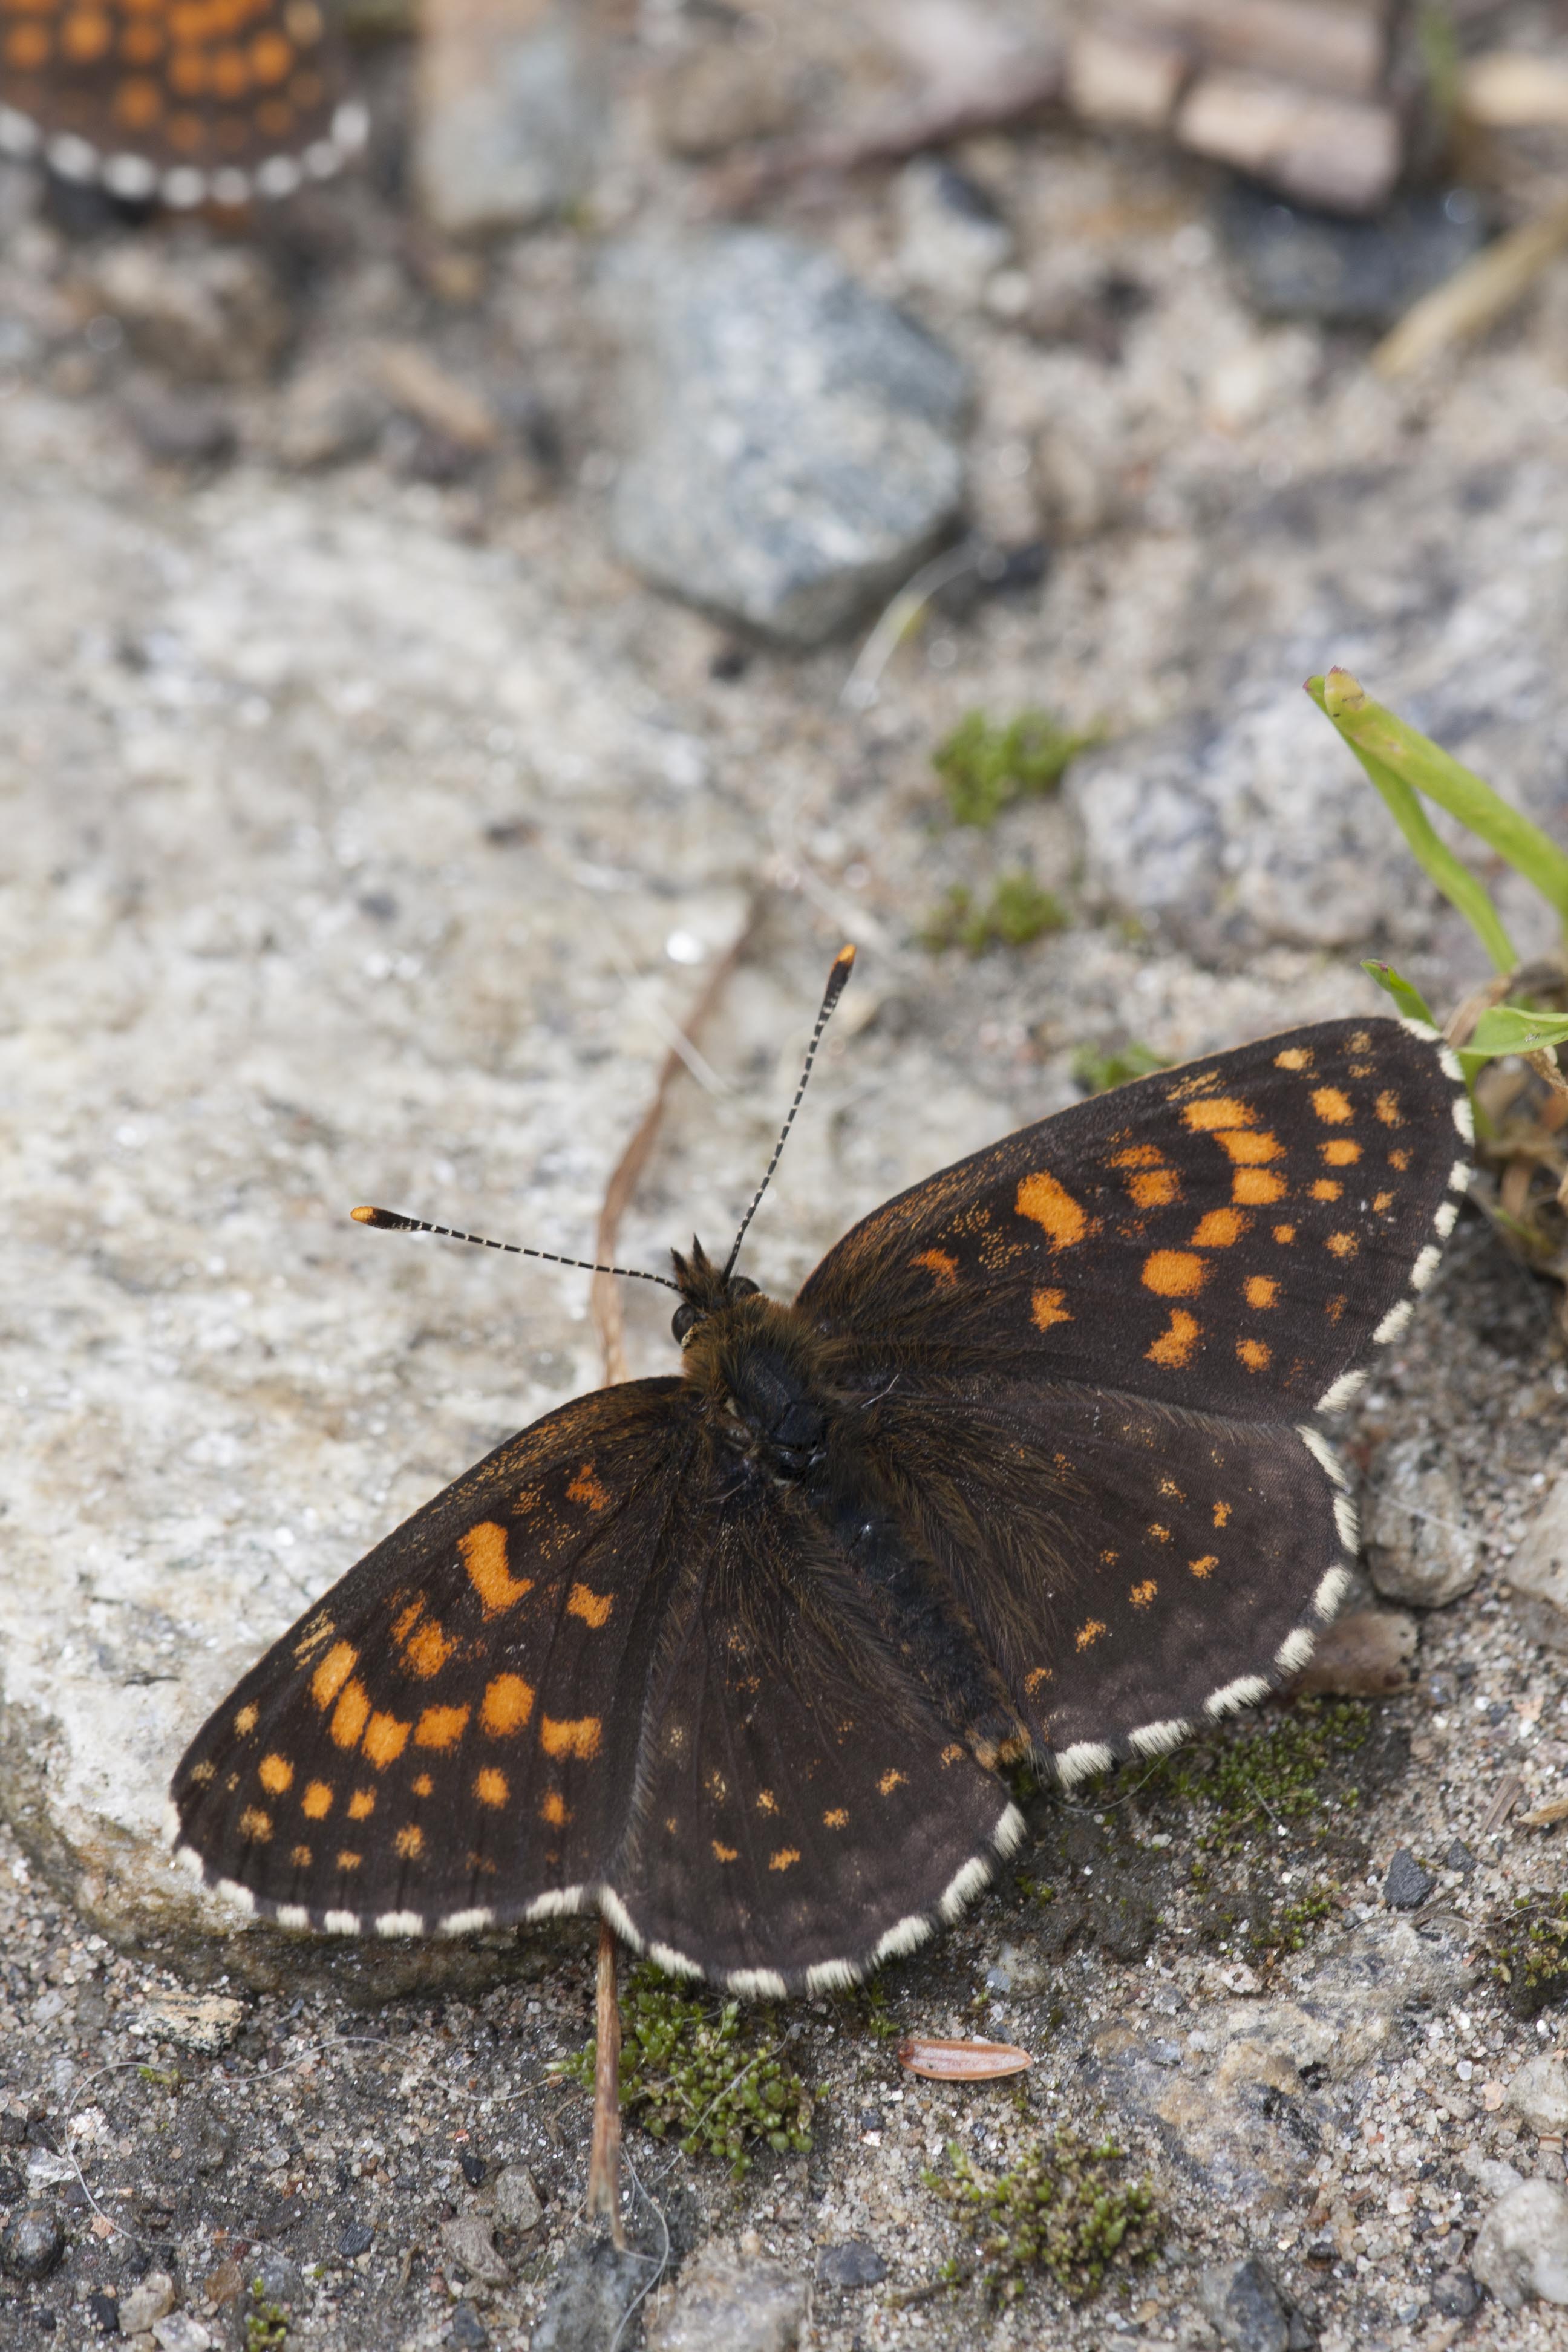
(185, 100)
(1230, 1237)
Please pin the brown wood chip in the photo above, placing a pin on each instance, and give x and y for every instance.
(1509, 1795)
(961, 2062)
(1544, 1816)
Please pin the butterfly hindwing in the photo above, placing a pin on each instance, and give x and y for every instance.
(1232, 1236)
(183, 101)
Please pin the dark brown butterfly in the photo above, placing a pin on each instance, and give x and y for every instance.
(737, 1657)
(180, 101)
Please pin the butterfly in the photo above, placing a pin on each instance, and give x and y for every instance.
(180, 101)
(739, 1656)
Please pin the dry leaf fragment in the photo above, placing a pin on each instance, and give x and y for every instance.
(1543, 1816)
(961, 2062)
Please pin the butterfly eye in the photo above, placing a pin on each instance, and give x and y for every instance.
(684, 1321)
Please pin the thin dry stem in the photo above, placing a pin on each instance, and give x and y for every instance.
(605, 2160)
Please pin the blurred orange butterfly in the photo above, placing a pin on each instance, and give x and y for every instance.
(178, 102)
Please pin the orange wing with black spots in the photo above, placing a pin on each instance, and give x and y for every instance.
(1231, 1237)
(600, 1673)
(178, 102)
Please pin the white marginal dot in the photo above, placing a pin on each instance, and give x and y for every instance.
(351, 125)
(231, 186)
(464, 1923)
(291, 1915)
(184, 188)
(1159, 1738)
(673, 1963)
(172, 1822)
(72, 158)
(1463, 1118)
(832, 1976)
(1084, 1758)
(400, 1923)
(18, 135)
(236, 1894)
(341, 1922)
(619, 1918)
(1426, 1266)
(1459, 1176)
(1295, 1650)
(322, 158)
(1450, 1061)
(1323, 1452)
(1331, 1592)
(1446, 1218)
(1346, 1523)
(904, 1935)
(278, 177)
(130, 176)
(1010, 1831)
(189, 1859)
(962, 1887)
(553, 1906)
(1338, 1395)
(1422, 1029)
(1245, 1691)
(756, 1984)
(1394, 1322)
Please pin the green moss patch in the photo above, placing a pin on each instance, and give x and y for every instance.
(1017, 912)
(984, 767)
(713, 2078)
(1529, 1946)
(1065, 2210)
(1289, 1769)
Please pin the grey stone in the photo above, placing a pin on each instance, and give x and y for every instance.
(181, 428)
(467, 2243)
(1418, 1549)
(201, 313)
(1245, 2306)
(725, 2304)
(510, 117)
(354, 2238)
(282, 2281)
(1297, 264)
(1455, 2294)
(31, 2244)
(719, 93)
(1244, 821)
(854, 2263)
(1538, 1568)
(1408, 1884)
(180, 2333)
(329, 413)
(152, 2298)
(1366, 1653)
(206, 2021)
(1539, 2091)
(1521, 2253)
(517, 2200)
(594, 2287)
(468, 2329)
(1165, 2052)
(795, 447)
(953, 240)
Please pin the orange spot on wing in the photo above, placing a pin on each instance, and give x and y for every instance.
(348, 1863)
(579, 1737)
(317, 1801)
(246, 1721)
(766, 1801)
(725, 1853)
(1332, 1107)
(593, 1608)
(1399, 1159)
(1341, 1244)
(255, 1826)
(1294, 1058)
(1173, 1274)
(1174, 1348)
(1388, 1110)
(386, 1738)
(410, 1841)
(507, 1705)
(952, 1753)
(275, 1774)
(1262, 1290)
(553, 1811)
(1220, 1110)
(1141, 1594)
(836, 1820)
(1253, 1354)
(1034, 1678)
(890, 1781)
(441, 1727)
(350, 1716)
(429, 1651)
(362, 1804)
(423, 1785)
(586, 1488)
(1340, 1152)
(1053, 1208)
(1285, 1233)
(1249, 1150)
(1046, 1308)
(1327, 1189)
(1257, 1188)
(334, 1672)
(938, 1263)
(1156, 1189)
(1204, 1567)
(785, 1859)
(301, 1857)
(1220, 1228)
(1221, 1514)
(1089, 1632)
(491, 1787)
(484, 1555)
(1160, 1534)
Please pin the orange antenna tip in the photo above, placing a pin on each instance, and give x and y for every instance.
(365, 1216)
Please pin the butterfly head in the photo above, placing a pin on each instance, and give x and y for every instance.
(706, 1290)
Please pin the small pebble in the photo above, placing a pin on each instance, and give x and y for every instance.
(854, 2263)
(32, 2243)
(1407, 1885)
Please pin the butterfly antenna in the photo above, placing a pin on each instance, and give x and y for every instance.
(843, 964)
(392, 1221)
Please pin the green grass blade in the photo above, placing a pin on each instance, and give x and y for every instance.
(1409, 999)
(1366, 726)
(1436, 860)
(1505, 1029)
